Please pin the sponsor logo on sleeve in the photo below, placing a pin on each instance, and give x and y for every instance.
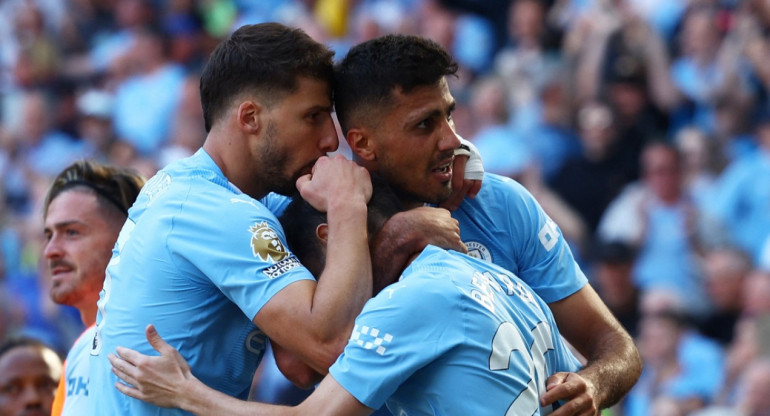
(265, 243)
(371, 338)
(281, 267)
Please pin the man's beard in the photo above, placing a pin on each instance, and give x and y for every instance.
(274, 162)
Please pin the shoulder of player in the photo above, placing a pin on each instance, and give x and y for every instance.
(499, 194)
(433, 275)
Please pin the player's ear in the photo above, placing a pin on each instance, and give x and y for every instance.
(361, 144)
(322, 232)
(248, 116)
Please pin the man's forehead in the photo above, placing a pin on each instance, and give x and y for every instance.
(65, 211)
(310, 92)
(425, 99)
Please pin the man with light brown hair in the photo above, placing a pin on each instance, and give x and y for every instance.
(83, 212)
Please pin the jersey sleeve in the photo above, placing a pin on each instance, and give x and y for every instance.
(276, 203)
(398, 332)
(544, 259)
(239, 247)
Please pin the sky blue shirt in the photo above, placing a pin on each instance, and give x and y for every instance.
(455, 335)
(743, 202)
(198, 259)
(505, 225)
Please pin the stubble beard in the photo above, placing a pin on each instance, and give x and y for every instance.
(274, 162)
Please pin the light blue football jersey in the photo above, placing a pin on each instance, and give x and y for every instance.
(505, 225)
(197, 258)
(454, 336)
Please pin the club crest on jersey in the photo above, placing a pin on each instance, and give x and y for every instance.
(265, 243)
(479, 251)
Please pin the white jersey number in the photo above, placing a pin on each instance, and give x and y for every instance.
(507, 340)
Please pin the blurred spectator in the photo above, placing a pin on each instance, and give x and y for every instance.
(733, 129)
(740, 353)
(657, 216)
(503, 151)
(755, 400)
(744, 197)
(613, 262)
(725, 272)
(109, 47)
(146, 101)
(619, 55)
(764, 256)
(37, 56)
(591, 180)
(28, 374)
(187, 129)
(183, 24)
(703, 71)
(45, 148)
(94, 122)
(530, 60)
(682, 368)
(700, 164)
(756, 293)
(34, 149)
(552, 138)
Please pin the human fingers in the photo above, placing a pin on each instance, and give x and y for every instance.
(157, 342)
(458, 171)
(572, 390)
(457, 196)
(129, 391)
(122, 369)
(302, 182)
(443, 230)
(474, 189)
(128, 355)
(335, 181)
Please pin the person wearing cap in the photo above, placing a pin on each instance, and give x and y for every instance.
(83, 212)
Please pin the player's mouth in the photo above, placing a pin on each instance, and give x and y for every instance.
(444, 171)
(58, 271)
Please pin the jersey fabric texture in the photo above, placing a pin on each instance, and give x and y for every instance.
(455, 335)
(506, 226)
(72, 394)
(198, 259)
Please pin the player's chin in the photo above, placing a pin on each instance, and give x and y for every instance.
(60, 295)
(439, 195)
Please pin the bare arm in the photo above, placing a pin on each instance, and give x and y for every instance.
(321, 314)
(613, 364)
(294, 369)
(660, 86)
(167, 381)
(406, 234)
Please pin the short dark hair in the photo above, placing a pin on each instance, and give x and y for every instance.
(115, 188)
(365, 79)
(22, 341)
(300, 220)
(265, 59)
